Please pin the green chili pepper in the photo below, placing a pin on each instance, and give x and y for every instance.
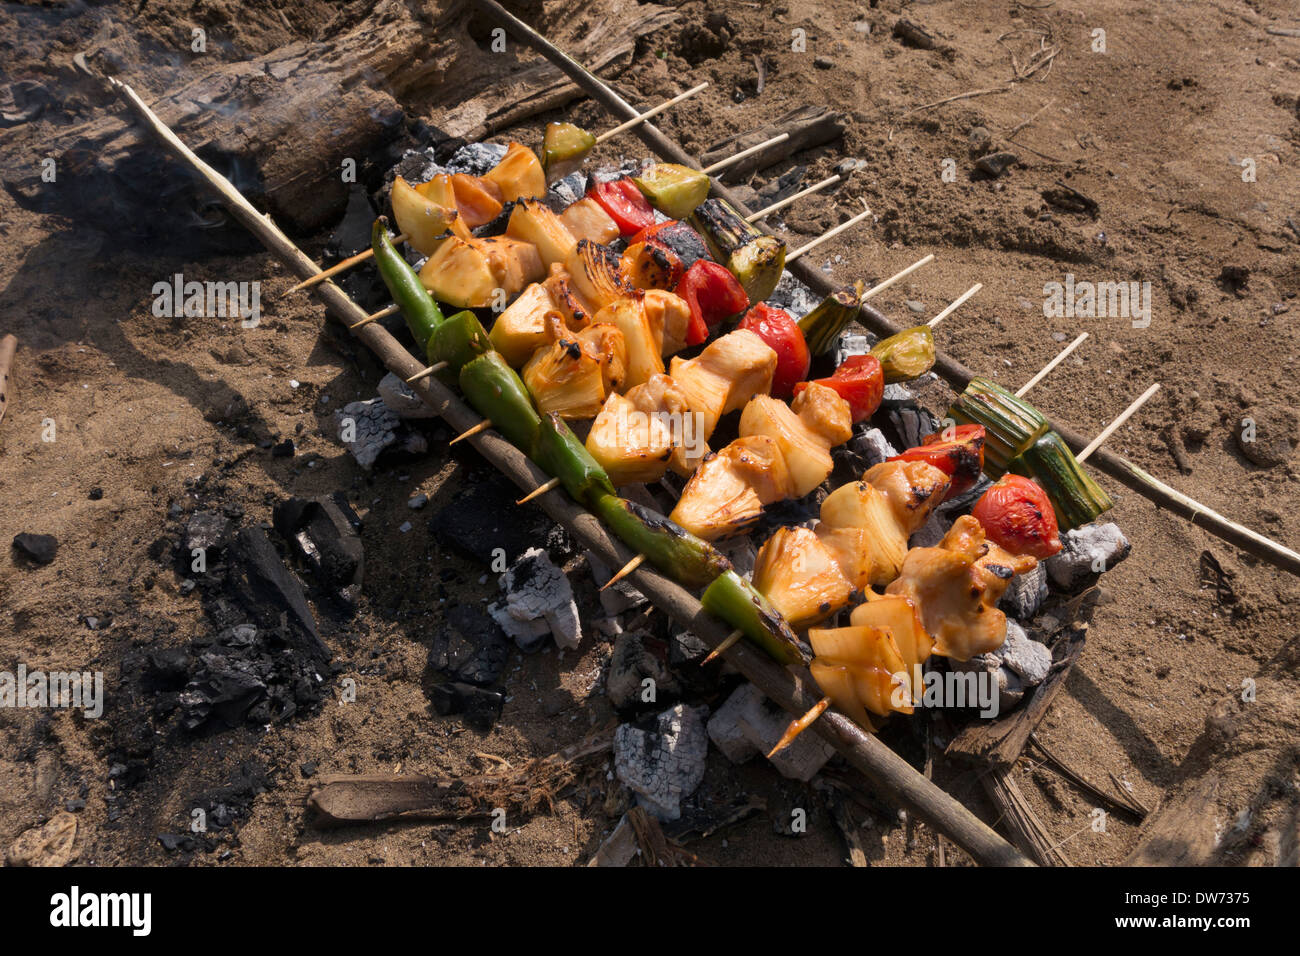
(459, 340)
(672, 549)
(907, 354)
(737, 602)
(496, 392)
(421, 312)
(561, 455)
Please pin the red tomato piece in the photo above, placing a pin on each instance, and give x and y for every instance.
(783, 336)
(1017, 514)
(625, 204)
(713, 294)
(860, 381)
(958, 452)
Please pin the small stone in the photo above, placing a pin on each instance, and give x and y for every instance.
(994, 165)
(980, 141)
(51, 844)
(39, 548)
(915, 306)
(405, 527)
(96, 494)
(417, 501)
(308, 768)
(285, 449)
(1266, 435)
(823, 63)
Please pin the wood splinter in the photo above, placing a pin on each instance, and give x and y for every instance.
(381, 314)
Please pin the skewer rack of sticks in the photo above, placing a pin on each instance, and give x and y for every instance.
(791, 689)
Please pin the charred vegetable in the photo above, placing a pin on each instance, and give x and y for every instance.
(672, 189)
(907, 354)
(740, 604)
(564, 147)
(560, 454)
(1011, 425)
(1016, 513)
(958, 452)
(666, 545)
(753, 257)
(822, 326)
(859, 381)
(495, 391)
(418, 308)
(1075, 497)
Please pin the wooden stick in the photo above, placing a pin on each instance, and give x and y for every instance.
(883, 768)
(638, 120)
(431, 370)
(482, 426)
(8, 348)
(955, 304)
(829, 235)
(799, 725)
(815, 188)
(727, 643)
(382, 313)
(341, 266)
(539, 490)
(1061, 357)
(732, 160)
(897, 276)
(1119, 420)
(624, 571)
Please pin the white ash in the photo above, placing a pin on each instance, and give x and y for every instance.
(1087, 551)
(536, 589)
(375, 424)
(873, 446)
(749, 723)
(527, 635)
(896, 396)
(852, 342)
(1011, 690)
(1026, 593)
(632, 664)
(476, 159)
(793, 296)
(401, 398)
(1030, 660)
(664, 764)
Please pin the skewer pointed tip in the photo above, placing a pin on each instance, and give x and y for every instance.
(799, 725)
(538, 491)
(722, 648)
(482, 426)
(624, 571)
(425, 373)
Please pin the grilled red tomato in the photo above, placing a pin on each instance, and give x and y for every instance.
(860, 381)
(1017, 514)
(958, 452)
(625, 204)
(712, 293)
(785, 338)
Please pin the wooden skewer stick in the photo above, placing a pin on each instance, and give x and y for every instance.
(814, 188)
(482, 426)
(365, 254)
(896, 277)
(431, 370)
(341, 266)
(624, 571)
(637, 121)
(955, 304)
(8, 348)
(722, 648)
(536, 492)
(831, 233)
(1119, 420)
(732, 160)
(1065, 352)
(799, 725)
(382, 313)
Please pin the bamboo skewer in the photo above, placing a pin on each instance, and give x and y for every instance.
(655, 111)
(1119, 420)
(830, 234)
(376, 316)
(341, 266)
(1061, 357)
(956, 303)
(743, 154)
(776, 206)
(431, 370)
(799, 725)
(896, 277)
(482, 426)
(624, 571)
(727, 643)
(539, 490)
(867, 754)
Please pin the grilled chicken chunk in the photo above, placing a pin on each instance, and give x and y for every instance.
(728, 373)
(661, 398)
(571, 376)
(805, 431)
(729, 489)
(956, 590)
(799, 576)
(630, 444)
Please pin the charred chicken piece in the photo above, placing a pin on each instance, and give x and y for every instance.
(729, 489)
